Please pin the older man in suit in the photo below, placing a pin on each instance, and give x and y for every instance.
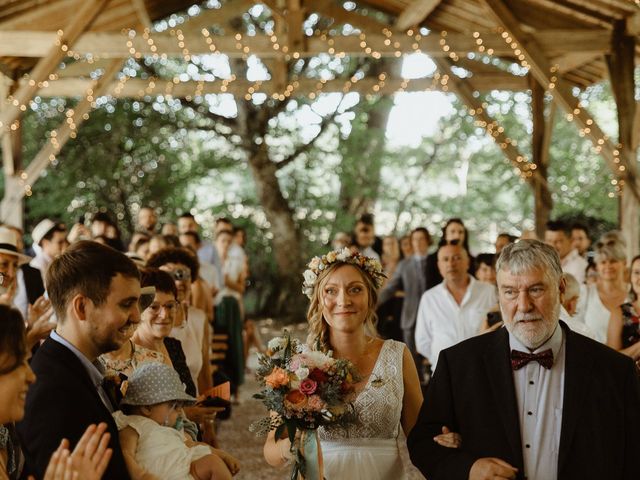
(94, 291)
(411, 278)
(533, 400)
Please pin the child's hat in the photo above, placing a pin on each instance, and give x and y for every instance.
(154, 383)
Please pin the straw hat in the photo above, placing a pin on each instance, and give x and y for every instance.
(41, 229)
(9, 245)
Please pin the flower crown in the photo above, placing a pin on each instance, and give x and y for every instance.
(317, 264)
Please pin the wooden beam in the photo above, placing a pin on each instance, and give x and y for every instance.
(329, 8)
(547, 74)
(621, 65)
(466, 93)
(219, 16)
(415, 13)
(136, 88)
(571, 61)
(68, 128)
(114, 45)
(86, 12)
(543, 202)
(143, 14)
(11, 208)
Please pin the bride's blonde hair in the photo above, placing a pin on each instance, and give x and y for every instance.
(318, 327)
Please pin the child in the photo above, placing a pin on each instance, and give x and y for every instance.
(150, 429)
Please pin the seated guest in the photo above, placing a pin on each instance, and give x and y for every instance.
(90, 457)
(94, 291)
(50, 238)
(157, 321)
(570, 305)
(580, 239)
(485, 268)
(502, 240)
(453, 230)
(190, 326)
(598, 301)
(153, 441)
(558, 235)
(624, 326)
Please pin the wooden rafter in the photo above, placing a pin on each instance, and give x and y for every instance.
(87, 11)
(330, 9)
(143, 14)
(114, 45)
(415, 13)
(80, 112)
(466, 93)
(545, 73)
(137, 88)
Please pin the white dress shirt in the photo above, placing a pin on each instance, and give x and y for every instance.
(574, 264)
(575, 324)
(539, 393)
(442, 323)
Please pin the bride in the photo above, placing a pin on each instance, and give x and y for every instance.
(342, 289)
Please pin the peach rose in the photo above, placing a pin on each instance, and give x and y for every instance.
(277, 378)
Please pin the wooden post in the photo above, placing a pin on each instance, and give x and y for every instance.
(621, 64)
(543, 203)
(11, 207)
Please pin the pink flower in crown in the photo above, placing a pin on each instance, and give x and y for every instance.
(314, 263)
(308, 386)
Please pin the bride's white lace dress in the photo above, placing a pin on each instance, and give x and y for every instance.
(368, 448)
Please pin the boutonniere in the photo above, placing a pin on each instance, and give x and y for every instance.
(377, 382)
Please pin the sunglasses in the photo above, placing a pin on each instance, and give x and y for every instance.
(180, 274)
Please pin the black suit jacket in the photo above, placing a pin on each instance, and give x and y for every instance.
(472, 392)
(62, 403)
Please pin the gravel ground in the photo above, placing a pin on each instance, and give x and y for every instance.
(234, 435)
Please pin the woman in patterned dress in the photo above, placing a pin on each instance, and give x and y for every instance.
(623, 333)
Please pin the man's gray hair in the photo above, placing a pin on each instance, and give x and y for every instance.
(572, 289)
(526, 255)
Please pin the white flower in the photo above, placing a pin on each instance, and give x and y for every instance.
(302, 373)
(310, 277)
(277, 343)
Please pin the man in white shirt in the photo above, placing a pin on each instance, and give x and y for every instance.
(533, 400)
(453, 310)
(558, 235)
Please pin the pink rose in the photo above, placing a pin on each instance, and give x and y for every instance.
(315, 403)
(308, 386)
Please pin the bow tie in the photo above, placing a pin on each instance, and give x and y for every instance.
(520, 359)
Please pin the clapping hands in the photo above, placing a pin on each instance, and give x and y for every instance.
(88, 461)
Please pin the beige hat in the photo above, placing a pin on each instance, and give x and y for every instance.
(9, 245)
(41, 229)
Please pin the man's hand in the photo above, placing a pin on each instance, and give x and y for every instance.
(91, 455)
(448, 439)
(38, 322)
(492, 469)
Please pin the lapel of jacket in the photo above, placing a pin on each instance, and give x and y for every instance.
(497, 363)
(61, 354)
(578, 364)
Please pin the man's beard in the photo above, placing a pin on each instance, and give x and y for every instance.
(542, 329)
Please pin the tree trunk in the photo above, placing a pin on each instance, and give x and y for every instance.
(287, 298)
(361, 177)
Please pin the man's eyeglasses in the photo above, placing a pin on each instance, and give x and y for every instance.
(180, 274)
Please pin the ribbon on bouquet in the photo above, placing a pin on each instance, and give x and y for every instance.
(311, 453)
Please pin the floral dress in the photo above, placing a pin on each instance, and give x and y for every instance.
(630, 325)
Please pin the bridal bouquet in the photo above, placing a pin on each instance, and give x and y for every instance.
(303, 389)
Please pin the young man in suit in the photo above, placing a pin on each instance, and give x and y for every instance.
(94, 291)
(533, 400)
(410, 277)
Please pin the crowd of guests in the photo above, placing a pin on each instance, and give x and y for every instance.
(119, 340)
(119, 337)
